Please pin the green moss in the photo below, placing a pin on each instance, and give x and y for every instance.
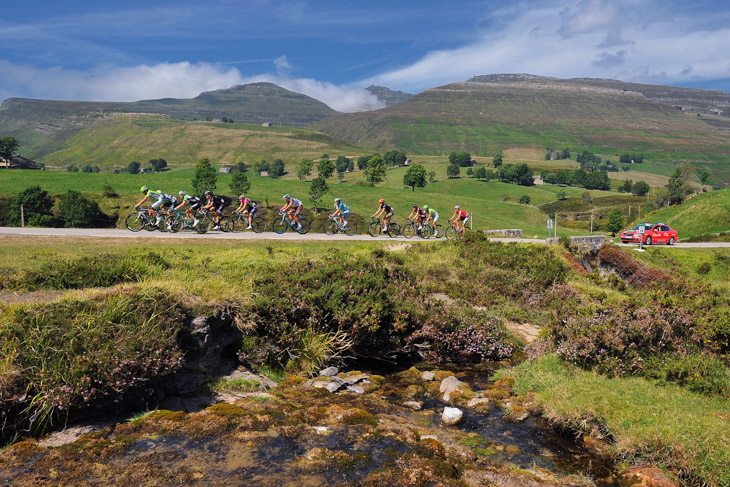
(226, 410)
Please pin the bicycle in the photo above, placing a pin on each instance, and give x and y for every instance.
(240, 222)
(140, 219)
(439, 230)
(334, 226)
(207, 219)
(454, 232)
(376, 227)
(176, 221)
(281, 226)
(410, 229)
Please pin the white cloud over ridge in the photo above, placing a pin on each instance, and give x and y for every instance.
(169, 80)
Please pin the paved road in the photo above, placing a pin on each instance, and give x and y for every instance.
(118, 233)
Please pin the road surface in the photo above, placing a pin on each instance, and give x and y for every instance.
(119, 233)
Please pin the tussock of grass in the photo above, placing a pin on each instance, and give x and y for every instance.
(668, 425)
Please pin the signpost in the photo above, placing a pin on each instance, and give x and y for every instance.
(550, 227)
(642, 228)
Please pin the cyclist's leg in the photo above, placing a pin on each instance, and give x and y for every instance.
(345, 214)
(296, 214)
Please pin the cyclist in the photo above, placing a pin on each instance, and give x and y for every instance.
(460, 217)
(432, 217)
(342, 211)
(246, 207)
(417, 213)
(193, 203)
(293, 206)
(386, 212)
(168, 202)
(159, 196)
(216, 204)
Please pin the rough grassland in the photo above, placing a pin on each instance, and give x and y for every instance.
(704, 214)
(677, 428)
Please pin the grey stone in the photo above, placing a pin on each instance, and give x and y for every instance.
(329, 372)
(354, 379)
(451, 415)
(356, 389)
(318, 384)
(428, 376)
(415, 405)
(333, 386)
(449, 385)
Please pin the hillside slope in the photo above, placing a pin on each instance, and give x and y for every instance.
(704, 214)
(483, 118)
(45, 126)
(114, 142)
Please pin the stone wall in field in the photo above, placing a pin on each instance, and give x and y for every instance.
(514, 233)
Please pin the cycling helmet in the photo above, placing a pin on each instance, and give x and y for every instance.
(415, 206)
(144, 189)
(208, 193)
(337, 200)
(425, 207)
(182, 193)
(381, 201)
(286, 196)
(241, 197)
(457, 207)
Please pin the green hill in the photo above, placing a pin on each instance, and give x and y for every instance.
(483, 118)
(114, 142)
(705, 214)
(45, 126)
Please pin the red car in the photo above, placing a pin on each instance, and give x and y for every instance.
(659, 233)
(633, 235)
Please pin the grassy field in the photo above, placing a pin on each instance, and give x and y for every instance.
(704, 214)
(483, 200)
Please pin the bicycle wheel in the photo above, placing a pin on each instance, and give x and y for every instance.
(374, 229)
(202, 227)
(330, 227)
(450, 233)
(173, 224)
(280, 226)
(409, 230)
(258, 224)
(305, 226)
(134, 222)
(226, 224)
(424, 232)
(439, 231)
(393, 230)
(239, 223)
(351, 229)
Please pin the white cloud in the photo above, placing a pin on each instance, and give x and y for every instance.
(560, 41)
(167, 80)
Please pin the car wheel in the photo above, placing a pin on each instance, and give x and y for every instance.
(671, 241)
(647, 241)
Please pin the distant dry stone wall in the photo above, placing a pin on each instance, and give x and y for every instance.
(592, 242)
(513, 233)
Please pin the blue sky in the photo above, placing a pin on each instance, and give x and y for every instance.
(331, 50)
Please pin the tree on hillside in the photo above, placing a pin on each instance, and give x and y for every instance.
(277, 169)
(36, 204)
(461, 159)
(80, 212)
(395, 158)
(133, 167)
(470, 173)
(73, 168)
(678, 186)
(626, 187)
(525, 199)
(8, 147)
(317, 190)
(240, 166)
(641, 188)
(362, 162)
(481, 173)
(325, 168)
(205, 176)
(158, 164)
(304, 168)
(239, 183)
(565, 154)
(431, 176)
(704, 176)
(615, 222)
(452, 171)
(375, 171)
(497, 161)
(342, 164)
(415, 176)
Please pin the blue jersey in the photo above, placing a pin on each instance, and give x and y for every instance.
(343, 207)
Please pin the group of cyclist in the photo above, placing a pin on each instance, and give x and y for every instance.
(293, 207)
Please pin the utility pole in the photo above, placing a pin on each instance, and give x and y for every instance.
(22, 217)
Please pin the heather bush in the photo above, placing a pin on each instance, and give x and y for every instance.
(75, 352)
(628, 268)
